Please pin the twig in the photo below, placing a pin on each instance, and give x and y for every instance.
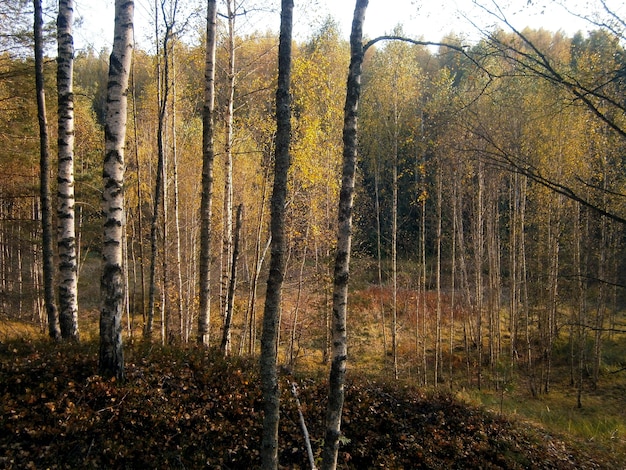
(307, 440)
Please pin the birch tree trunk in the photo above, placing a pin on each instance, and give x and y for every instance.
(344, 239)
(54, 330)
(208, 157)
(66, 242)
(394, 244)
(179, 274)
(111, 358)
(227, 235)
(438, 355)
(282, 161)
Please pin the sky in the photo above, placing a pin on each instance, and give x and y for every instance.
(425, 19)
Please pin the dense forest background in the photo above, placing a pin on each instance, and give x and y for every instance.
(490, 215)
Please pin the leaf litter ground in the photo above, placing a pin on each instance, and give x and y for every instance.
(188, 408)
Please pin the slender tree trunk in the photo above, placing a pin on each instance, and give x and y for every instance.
(20, 275)
(601, 305)
(422, 285)
(157, 185)
(464, 286)
(160, 196)
(513, 267)
(180, 304)
(227, 239)
(394, 247)
(344, 239)
(380, 259)
(68, 269)
(165, 289)
(54, 330)
(453, 273)
(493, 256)
(208, 157)
(581, 333)
(291, 356)
(111, 359)
(129, 324)
(232, 284)
(282, 161)
(139, 238)
(478, 265)
(552, 304)
(603, 274)
(249, 332)
(438, 362)
(523, 279)
(36, 268)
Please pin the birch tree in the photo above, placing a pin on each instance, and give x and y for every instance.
(68, 266)
(111, 358)
(227, 214)
(208, 157)
(344, 238)
(52, 311)
(269, 337)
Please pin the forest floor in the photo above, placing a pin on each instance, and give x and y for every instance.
(189, 408)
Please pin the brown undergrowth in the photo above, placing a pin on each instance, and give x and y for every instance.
(189, 408)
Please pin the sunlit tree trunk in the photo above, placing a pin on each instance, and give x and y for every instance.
(52, 311)
(111, 359)
(180, 304)
(227, 236)
(208, 157)
(394, 245)
(68, 268)
(282, 161)
(344, 239)
(438, 363)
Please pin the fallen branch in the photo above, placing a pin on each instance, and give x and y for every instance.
(307, 440)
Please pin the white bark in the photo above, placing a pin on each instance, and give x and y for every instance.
(208, 157)
(344, 239)
(68, 266)
(112, 282)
